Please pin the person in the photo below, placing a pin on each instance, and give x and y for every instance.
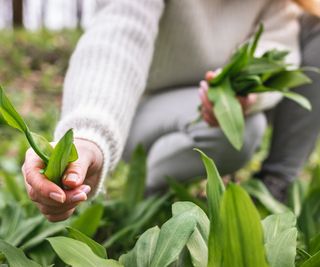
(163, 47)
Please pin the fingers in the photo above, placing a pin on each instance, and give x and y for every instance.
(247, 101)
(206, 105)
(63, 211)
(77, 171)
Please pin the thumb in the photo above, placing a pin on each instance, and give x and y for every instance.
(77, 171)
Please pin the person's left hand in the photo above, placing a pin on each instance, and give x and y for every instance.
(207, 106)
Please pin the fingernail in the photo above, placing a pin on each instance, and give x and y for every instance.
(79, 197)
(85, 189)
(72, 177)
(56, 197)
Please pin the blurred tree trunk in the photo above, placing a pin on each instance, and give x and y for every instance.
(43, 12)
(17, 13)
(79, 13)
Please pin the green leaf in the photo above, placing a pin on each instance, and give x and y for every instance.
(228, 112)
(241, 230)
(254, 41)
(280, 235)
(59, 158)
(258, 190)
(173, 236)
(9, 113)
(198, 241)
(76, 253)
(135, 185)
(215, 190)
(299, 99)
(98, 249)
(287, 80)
(88, 221)
(43, 144)
(314, 261)
(15, 256)
(142, 253)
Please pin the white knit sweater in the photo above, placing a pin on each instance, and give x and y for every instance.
(133, 45)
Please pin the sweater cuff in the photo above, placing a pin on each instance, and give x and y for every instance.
(97, 138)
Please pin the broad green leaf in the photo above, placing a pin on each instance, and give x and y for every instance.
(76, 253)
(15, 256)
(198, 241)
(135, 185)
(288, 79)
(280, 235)
(142, 253)
(98, 249)
(258, 190)
(173, 236)
(242, 243)
(59, 158)
(9, 113)
(299, 99)
(88, 221)
(43, 144)
(314, 261)
(215, 190)
(228, 112)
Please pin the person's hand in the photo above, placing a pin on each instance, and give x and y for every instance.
(55, 203)
(207, 106)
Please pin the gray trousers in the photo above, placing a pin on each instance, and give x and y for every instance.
(162, 120)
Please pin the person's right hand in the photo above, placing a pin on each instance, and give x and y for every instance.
(207, 106)
(81, 176)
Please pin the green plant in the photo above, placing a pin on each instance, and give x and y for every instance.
(247, 73)
(56, 159)
(234, 236)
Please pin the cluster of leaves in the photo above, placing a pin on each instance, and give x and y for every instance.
(229, 234)
(247, 73)
(56, 159)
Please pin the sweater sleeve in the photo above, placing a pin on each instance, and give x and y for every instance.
(280, 20)
(107, 75)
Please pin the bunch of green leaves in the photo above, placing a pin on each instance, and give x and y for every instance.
(55, 159)
(247, 73)
(304, 203)
(232, 234)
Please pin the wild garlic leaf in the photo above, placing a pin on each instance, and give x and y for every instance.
(9, 113)
(287, 80)
(299, 99)
(59, 158)
(228, 112)
(43, 144)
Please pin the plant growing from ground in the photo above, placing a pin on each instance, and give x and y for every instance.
(56, 159)
(246, 73)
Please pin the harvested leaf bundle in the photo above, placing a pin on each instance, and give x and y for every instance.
(56, 159)
(247, 73)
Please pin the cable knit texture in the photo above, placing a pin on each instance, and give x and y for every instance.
(133, 45)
